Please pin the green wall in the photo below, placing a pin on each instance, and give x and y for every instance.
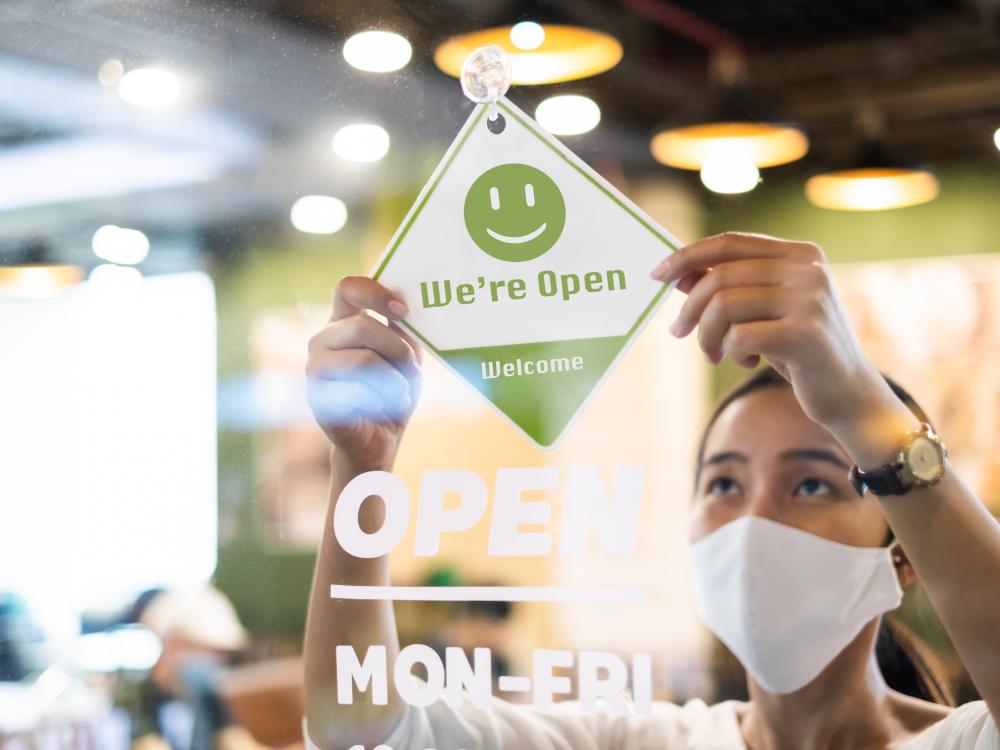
(965, 218)
(268, 587)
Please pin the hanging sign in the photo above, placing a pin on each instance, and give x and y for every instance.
(525, 272)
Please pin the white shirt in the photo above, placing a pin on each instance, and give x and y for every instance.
(693, 726)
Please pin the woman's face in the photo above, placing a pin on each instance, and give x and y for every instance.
(765, 457)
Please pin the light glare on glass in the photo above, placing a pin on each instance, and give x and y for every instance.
(568, 114)
(149, 87)
(527, 35)
(318, 214)
(120, 245)
(377, 51)
(996, 138)
(361, 142)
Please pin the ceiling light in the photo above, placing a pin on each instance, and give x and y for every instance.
(318, 214)
(996, 138)
(109, 274)
(872, 188)
(111, 71)
(564, 53)
(120, 245)
(149, 87)
(38, 280)
(729, 174)
(730, 123)
(377, 51)
(874, 179)
(527, 35)
(764, 144)
(568, 114)
(363, 142)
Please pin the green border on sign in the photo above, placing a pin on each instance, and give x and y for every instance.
(529, 126)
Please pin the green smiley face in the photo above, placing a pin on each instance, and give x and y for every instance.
(514, 212)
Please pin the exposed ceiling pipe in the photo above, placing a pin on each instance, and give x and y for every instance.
(684, 23)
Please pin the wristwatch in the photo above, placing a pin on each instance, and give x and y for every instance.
(919, 463)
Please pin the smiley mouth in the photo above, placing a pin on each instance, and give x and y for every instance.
(516, 240)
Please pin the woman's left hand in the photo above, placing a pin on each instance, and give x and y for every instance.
(753, 296)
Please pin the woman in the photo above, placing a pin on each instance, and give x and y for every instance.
(789, 565)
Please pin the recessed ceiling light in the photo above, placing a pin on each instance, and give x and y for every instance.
(109, 274)
(377, 51)
(362, 141)
(149, 87)
(110, 72)
(318, 214)
(527, 35)
(120, 245)
(725, 174)
(568, 114)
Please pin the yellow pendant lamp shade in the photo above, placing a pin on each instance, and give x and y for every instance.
(551, 54)
(761, 143)
(38, 280)
(872, 188)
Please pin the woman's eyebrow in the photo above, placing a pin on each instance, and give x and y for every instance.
(722, 457)
(814, 454)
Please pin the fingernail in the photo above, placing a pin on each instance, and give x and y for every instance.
(662, 271)
(398, 309)
(675, 328)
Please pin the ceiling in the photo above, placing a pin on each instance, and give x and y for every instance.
(265, 86)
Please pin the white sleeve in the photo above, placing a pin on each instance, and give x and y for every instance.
(968, 727)
(508, 726)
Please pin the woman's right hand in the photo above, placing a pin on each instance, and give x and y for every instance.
(364, 376)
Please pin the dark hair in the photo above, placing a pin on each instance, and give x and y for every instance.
(906, 662)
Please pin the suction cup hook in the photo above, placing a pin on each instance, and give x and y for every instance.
(486, 76)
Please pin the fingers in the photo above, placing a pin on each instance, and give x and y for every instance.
(732, 306)
(357, 293)
(741, 273)
(745, 343)
(418, 350)
(730, 246)
(361, 331)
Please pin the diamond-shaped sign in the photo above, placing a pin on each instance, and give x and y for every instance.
(525, 271)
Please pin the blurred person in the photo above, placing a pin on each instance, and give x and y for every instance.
(795, 558)
(179, 708)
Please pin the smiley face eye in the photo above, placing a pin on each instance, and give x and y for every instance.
(495, 198)
(529, 194)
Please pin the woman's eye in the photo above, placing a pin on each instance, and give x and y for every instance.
(722, 486)
(813, 487)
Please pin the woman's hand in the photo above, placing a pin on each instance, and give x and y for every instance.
(752, 296)
(364, 376)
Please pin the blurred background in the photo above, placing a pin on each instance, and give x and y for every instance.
(182, 184)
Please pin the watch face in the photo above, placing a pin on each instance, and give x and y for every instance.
(924, 459)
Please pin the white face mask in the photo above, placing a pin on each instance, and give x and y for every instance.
(784, 601)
